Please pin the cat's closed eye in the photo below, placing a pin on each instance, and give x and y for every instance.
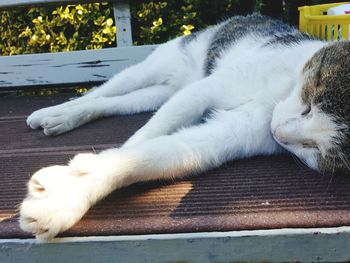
(309, 144)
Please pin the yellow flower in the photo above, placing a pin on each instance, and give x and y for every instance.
(109, 22)
(187, 29)
(158, 23)
(106, 30)
(38, 20)
(27, 32)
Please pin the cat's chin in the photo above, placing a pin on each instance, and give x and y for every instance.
(307, 155)
(312, 163)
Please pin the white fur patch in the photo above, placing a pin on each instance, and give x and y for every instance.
(307, 136)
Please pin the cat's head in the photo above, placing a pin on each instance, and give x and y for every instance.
(314, 121)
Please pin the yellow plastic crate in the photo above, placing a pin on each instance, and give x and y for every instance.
(313, 20)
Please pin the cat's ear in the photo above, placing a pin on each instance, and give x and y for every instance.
(312, 65)
(314, 72)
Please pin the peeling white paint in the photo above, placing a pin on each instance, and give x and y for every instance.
(277, 245)
(48, 69)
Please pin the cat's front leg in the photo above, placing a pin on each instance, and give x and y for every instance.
(141, 100)
(59, 196)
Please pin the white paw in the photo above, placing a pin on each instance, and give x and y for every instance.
(55, 125)
(55, 120)
(57, 198)
(34, 120)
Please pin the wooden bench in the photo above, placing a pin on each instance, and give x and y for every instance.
(88, 67)
(259, 209)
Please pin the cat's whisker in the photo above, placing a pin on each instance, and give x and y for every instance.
(93, 149)
(332, 175)
(345, 160)
(299, 162)
(347, 163)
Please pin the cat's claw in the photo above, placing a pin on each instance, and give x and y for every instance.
(35, 119)
(57, 198)
(56, 125)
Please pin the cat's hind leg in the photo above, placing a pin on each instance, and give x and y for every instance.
(188, 106)
(165, 66)
(142, 100)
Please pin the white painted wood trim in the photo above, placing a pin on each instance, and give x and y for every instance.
(85, 67)
(277, 245)
(122, 18)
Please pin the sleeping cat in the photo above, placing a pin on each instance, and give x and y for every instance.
(248, 86)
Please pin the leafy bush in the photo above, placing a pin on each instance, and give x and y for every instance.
(159, 21)
(64, 28)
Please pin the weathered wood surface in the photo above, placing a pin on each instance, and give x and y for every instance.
(270, 192)
(289, 245)
(11, 3)
(68, 68)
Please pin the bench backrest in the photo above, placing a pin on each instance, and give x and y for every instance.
(72, 68)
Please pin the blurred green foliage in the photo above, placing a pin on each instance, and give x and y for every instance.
(159, 21)
(91, 26)
(56, 29)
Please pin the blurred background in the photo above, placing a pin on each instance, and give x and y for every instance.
(91, 26)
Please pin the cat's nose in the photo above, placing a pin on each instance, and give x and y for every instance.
(287, 134)
(280, 136)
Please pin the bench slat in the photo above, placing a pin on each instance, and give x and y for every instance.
(122, 19)
(68, 68)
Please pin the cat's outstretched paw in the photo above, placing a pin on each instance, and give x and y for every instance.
(58, 196)
(55, 125)
(35, 119)
(53, 122)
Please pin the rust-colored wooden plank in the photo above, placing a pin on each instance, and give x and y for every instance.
(257, 193)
